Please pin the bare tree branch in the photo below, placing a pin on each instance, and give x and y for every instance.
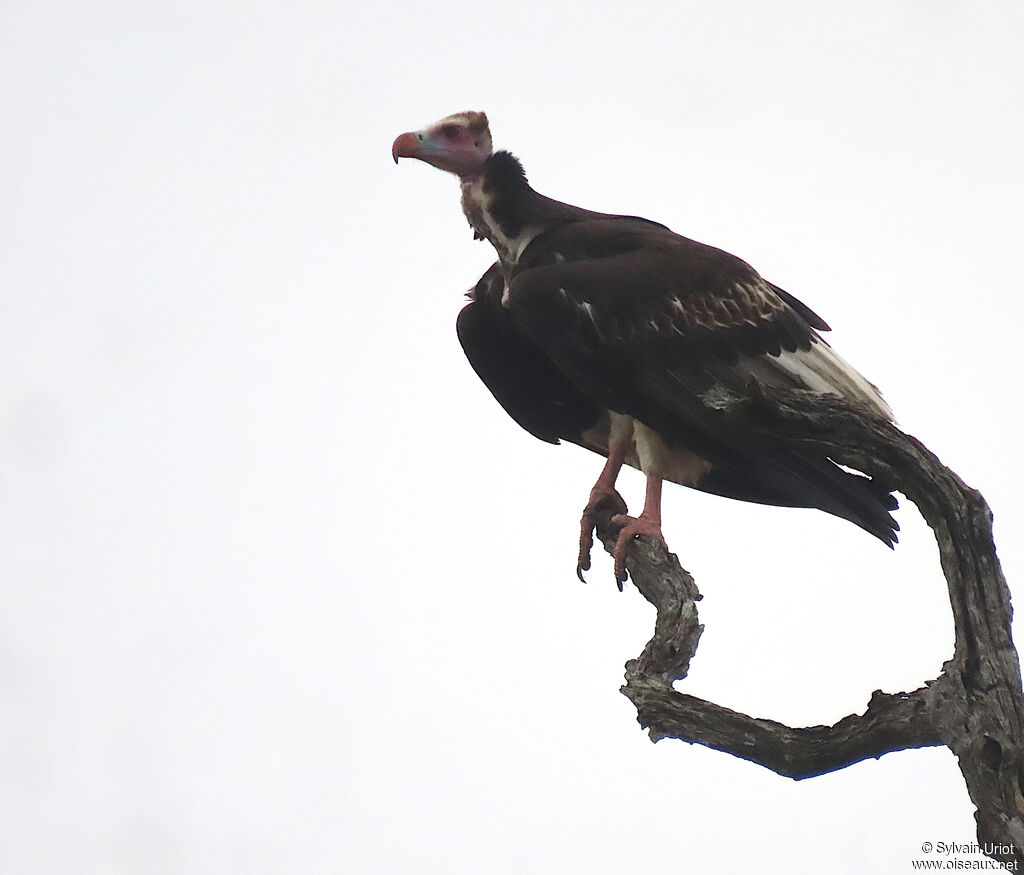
(975, 706)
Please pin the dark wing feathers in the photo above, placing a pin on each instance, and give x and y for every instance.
(637, 282)
(644, 322)
(805, 312)
(524, 380)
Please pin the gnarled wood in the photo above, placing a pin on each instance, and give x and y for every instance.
(975, 706)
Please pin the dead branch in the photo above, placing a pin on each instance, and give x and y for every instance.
(975, 706)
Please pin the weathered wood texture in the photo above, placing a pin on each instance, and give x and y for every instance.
(975, 706)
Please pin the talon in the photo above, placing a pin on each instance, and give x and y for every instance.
(603, 501)
(586, 542)
(580, 568)
(632, 528)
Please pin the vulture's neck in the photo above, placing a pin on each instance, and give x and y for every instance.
(502, 208)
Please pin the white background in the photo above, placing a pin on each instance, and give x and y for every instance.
(282, 589)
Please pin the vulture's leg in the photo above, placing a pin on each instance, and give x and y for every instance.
(603, 497)
(648, 523)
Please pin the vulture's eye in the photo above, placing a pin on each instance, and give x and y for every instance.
(450, 132)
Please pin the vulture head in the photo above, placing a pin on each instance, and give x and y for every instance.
(458, 143)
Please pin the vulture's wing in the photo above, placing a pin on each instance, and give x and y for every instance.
(647, 323)
(521, 377)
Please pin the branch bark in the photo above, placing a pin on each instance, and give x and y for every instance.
(975, 706)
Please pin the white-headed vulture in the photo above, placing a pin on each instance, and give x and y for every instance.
(614, 333)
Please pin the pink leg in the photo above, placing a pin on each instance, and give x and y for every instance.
(648, 523)
(603, 498)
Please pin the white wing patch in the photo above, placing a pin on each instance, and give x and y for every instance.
(818, 369)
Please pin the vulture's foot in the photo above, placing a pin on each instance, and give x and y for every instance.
(605, 503)
(632, 527)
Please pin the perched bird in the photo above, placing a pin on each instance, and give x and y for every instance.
(614, 333)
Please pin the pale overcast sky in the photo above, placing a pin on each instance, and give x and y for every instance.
(282, 589)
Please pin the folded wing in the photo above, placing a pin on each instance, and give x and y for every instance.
(646, 323)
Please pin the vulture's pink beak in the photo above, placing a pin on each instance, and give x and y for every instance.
(458, 153)
(406, 145)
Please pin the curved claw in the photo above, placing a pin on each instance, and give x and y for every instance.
(632, 527)
(603, 502)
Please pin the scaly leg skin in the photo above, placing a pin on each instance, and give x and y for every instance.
(648, 523)
(603, 497)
